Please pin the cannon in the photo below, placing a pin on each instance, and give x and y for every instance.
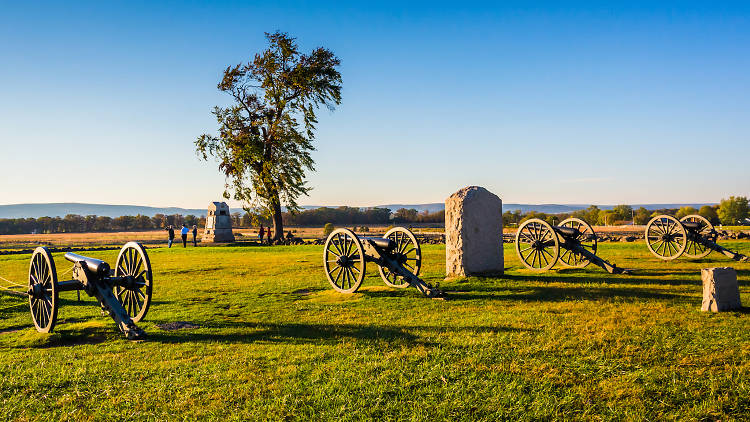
(397, 255)
(693, 236)
(123, 293)
(539, 244)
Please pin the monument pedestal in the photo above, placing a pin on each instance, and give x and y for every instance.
(218, 224)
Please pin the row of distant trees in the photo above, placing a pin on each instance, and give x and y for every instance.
(73, 223)
(347, 216)
(731, 211)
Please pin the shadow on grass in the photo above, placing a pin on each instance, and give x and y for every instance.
(586, 278)
(591, 274)
(61, 337)
(71, 339)
(93, 303)
(295, 333)
(557, 294)
(13, 328)
(490, 290)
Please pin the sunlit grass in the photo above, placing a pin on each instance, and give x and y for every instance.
(275, 342)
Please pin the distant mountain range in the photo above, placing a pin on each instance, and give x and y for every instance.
(62, 209)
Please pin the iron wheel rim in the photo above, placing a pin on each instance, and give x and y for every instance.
(136, 299)
(587, 239)
(43, 281)
(666, 237)
(539, 241)
(694, 249)
(408, 247)
(344, 261)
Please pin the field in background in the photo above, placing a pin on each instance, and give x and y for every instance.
(159, 237)
(276, 342)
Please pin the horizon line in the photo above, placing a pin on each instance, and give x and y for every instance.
(365, 206)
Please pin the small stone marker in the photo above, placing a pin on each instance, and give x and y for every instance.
(473, 233)
(720, 289)
(218, 223)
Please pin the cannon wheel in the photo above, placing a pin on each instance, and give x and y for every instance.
(537, 245)
(136, 298)
(587, 239)
(408, 253)
(344, 261)
(694, 249)
(43, 291)
(666, 238)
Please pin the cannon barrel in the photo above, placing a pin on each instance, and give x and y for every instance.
(96, 266)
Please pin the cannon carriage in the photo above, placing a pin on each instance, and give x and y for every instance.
(124, 293)
(693, 236)
(540, 245)
(397, 254)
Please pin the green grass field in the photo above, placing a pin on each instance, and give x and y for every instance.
(276, 342)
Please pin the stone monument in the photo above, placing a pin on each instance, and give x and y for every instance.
(720, 290)
(473, 233)
(218, 223)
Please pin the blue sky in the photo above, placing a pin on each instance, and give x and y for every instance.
(551, 103)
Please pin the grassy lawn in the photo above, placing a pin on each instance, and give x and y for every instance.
(276, 342)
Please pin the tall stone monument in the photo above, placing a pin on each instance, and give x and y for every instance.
(218, 223)
(473, 233)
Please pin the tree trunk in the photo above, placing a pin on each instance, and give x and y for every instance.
(278, 223)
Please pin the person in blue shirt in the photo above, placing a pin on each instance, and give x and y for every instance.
(184, 233)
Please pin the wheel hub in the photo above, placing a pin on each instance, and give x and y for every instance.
(400, 258)
(129, 282)
(36, 291)
(344, 261)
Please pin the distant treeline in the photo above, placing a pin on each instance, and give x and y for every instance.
(73, 223)
(351, 215)
(730, 211)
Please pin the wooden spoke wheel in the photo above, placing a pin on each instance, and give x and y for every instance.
(537, 245)
(666, 238)
(43, 290)
(407, 253)
(344, 261)
(706, 229)
(586, 238)
(134, 294)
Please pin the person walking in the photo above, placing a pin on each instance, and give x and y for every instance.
(170, 232)
(184, 232)
(261, 232)
(195, 235)
(269, 236)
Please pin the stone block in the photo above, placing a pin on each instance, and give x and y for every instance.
(721, 292)
(473, 233)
